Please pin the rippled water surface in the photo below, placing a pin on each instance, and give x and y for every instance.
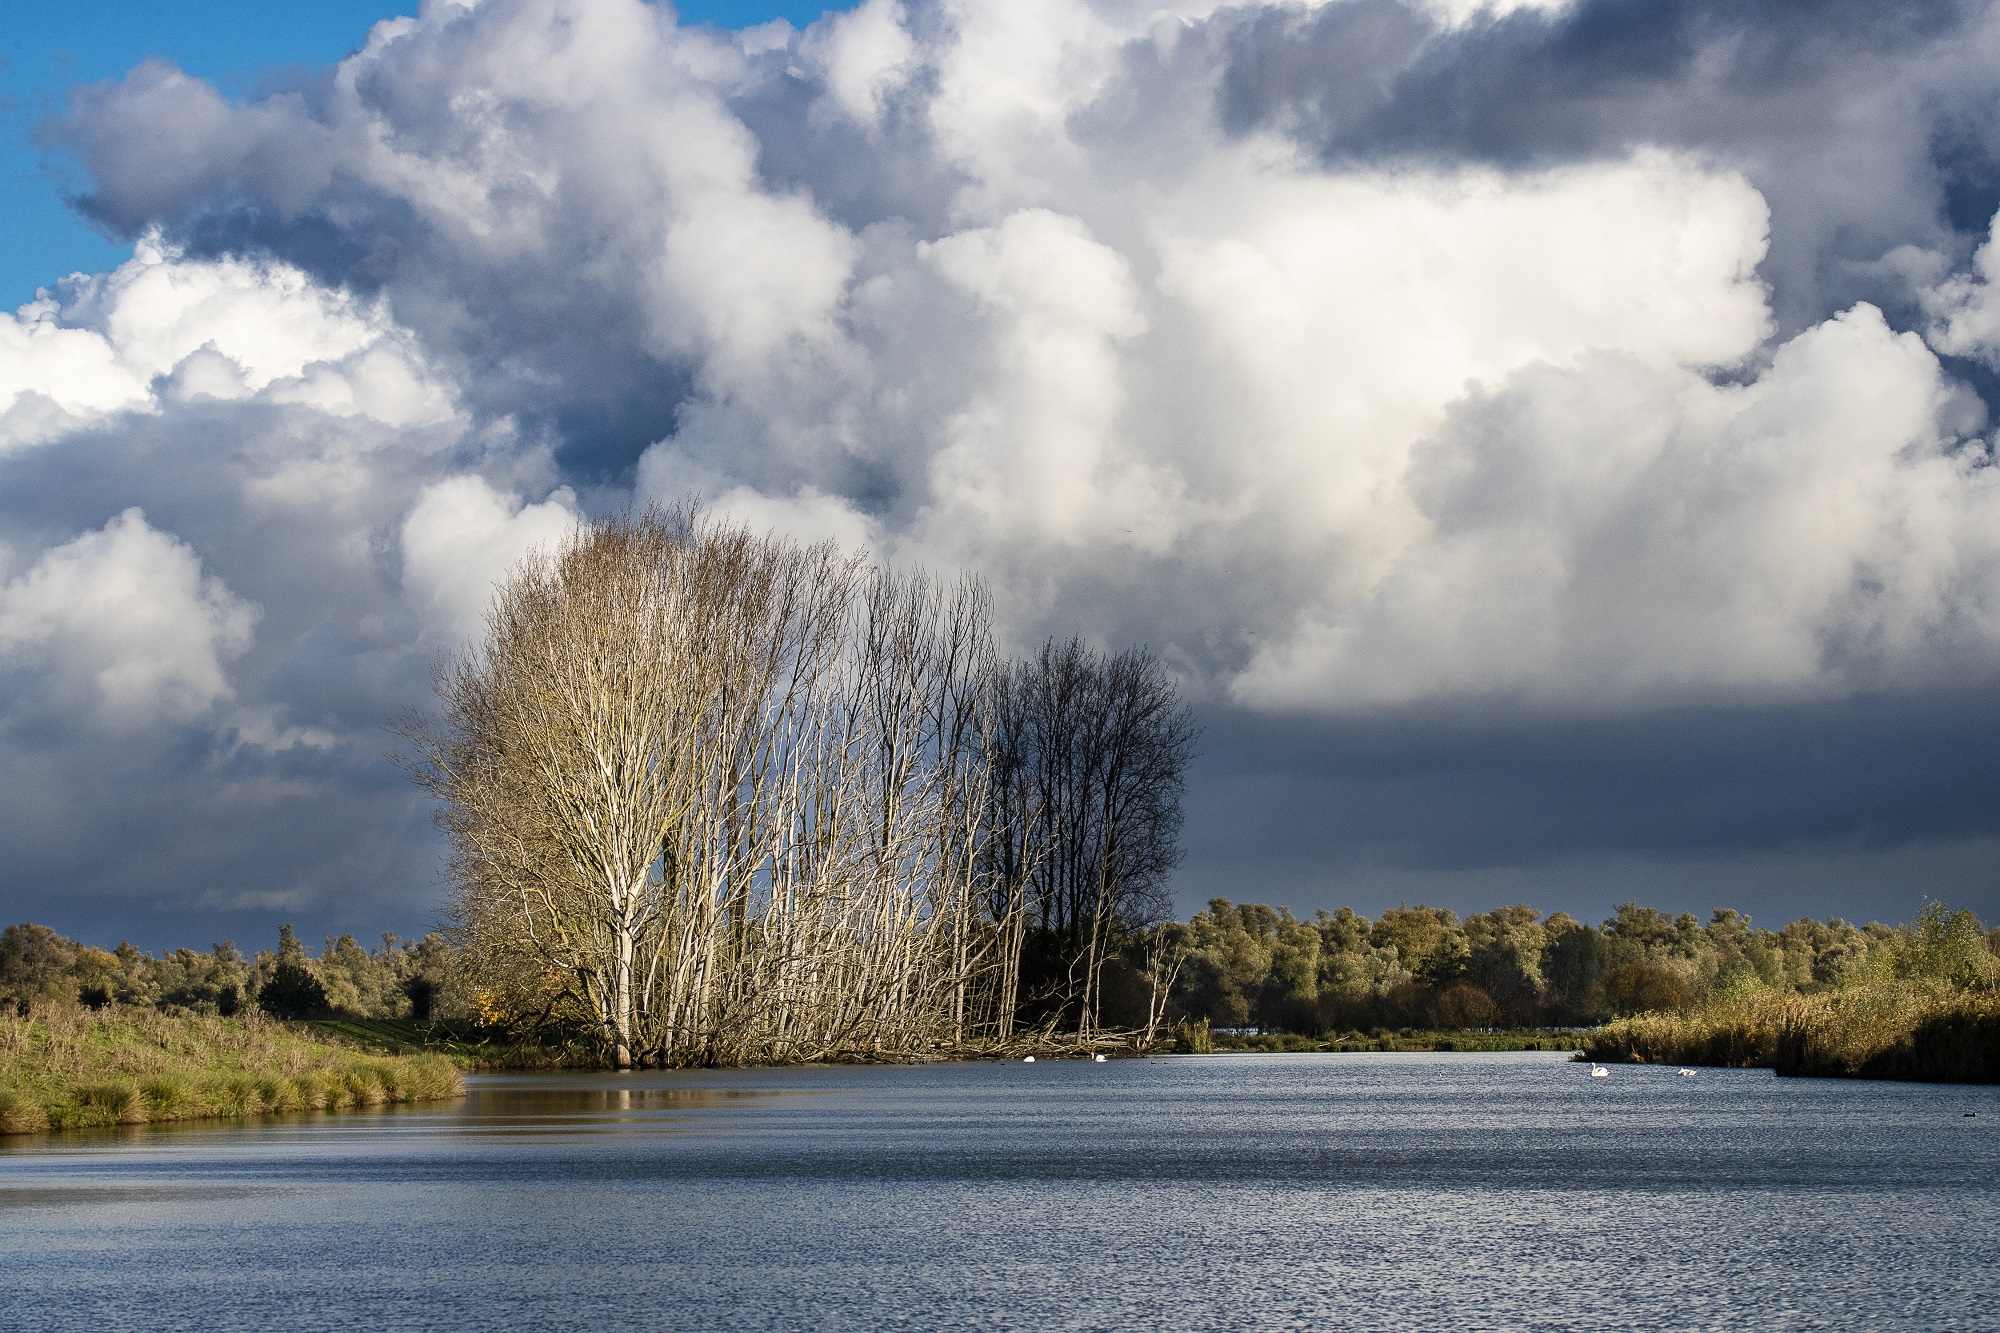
(1317, 1191)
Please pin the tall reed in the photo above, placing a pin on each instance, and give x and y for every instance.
(1881, 1028)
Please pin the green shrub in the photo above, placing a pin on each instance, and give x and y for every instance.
(310, 1089)
(292, 992)
(1950, 948)
(1906, 1030)
(278, 1093)
(364, 1088)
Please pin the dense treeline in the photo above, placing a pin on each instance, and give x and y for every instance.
(40, 970)
(1251, 965)
(1232, 965)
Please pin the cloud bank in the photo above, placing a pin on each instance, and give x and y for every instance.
(1570, 362)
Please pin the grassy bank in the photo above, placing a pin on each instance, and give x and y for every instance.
(72, 1068)
(1889, 1029)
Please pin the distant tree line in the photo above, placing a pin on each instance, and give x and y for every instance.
(1250, 965)
(1232, 965)
(397, 979)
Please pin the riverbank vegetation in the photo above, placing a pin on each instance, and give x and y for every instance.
(66, 1066)
(1251, 965)
(1815, 997)
(397, 979)
(1925, 1005)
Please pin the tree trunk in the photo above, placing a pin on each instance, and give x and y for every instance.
(622, 1007)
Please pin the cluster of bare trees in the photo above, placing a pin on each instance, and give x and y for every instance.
(1086, 756)
(728, 798)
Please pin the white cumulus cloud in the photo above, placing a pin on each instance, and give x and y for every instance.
(162, 327)
(1614, 531)
(124, 621)
(1074, 293)
(462, 537)
(1966, 306)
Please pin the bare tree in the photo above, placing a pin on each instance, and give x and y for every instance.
(729, 798)
(722, 796)
(1090, 754)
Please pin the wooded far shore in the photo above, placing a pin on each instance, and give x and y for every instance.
(97, 1037)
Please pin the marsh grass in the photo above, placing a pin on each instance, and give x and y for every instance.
(1899, 1029)
(1907, 1031)
(1738, 1030)
(74, 1068)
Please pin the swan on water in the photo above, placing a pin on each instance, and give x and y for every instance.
(1687, 1073)
(1598, 1071)
(1100, 1059)
(1027, 1059)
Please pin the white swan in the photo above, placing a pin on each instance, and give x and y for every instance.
(1687, 1073)
(1027, 1059)
(1100, 1059)
(1598, 1071)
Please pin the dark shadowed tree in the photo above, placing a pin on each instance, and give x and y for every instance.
(1089, 757)
(292, 991)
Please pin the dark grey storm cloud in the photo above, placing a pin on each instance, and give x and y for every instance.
(1862, 808)
(1376, 78)
(1547, 438)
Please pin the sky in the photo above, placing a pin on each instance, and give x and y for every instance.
(241, 46)
(1551, 441)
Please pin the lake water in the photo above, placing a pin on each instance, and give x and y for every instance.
(1456, 1192)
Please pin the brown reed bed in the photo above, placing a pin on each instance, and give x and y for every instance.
(75, 1068)
(1908, 1029)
